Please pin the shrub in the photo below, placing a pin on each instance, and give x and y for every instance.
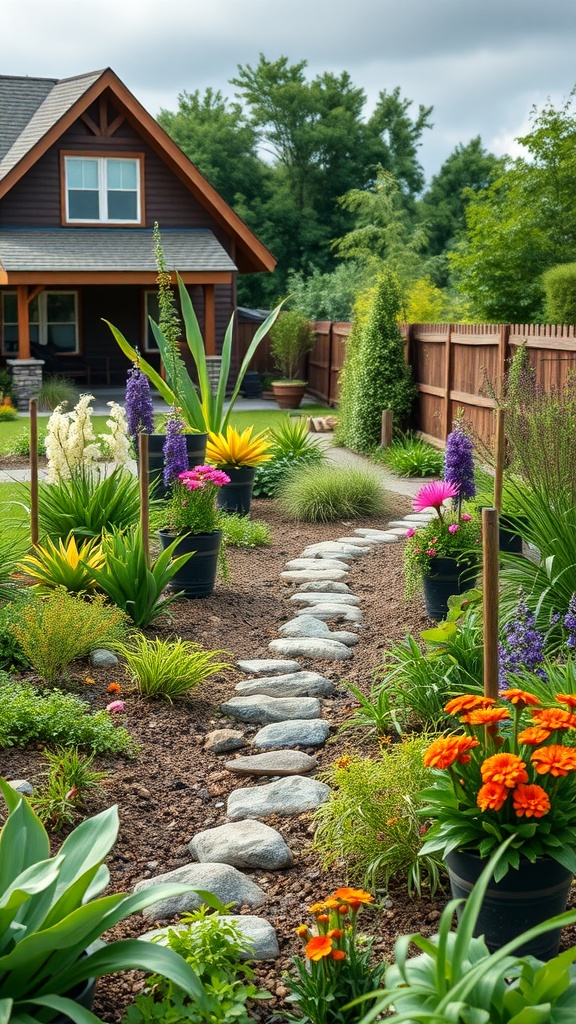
(242, 532)
(332, 492)
(382, 795)
(7, 411)
(28, 715)
(291, 337)
(88, 504)
(292, 446)
(560, 288)
(410, 456)
(168, 669)
(55, 630)
(20, 444)
(12, 657)
(379, 378)
(7, 386)
(56, 390)
(269, 478)
(67, 780)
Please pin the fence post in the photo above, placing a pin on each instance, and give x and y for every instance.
(447, 384)
(329, 387)
(386, 428)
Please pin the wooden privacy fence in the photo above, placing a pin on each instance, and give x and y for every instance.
(451, 363)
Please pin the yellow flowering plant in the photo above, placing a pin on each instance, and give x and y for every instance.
(64, 564)
(233, 448)
(336, 968)
(508, 774)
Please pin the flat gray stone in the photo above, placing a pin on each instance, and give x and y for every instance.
(101, 658)
(267, 666)
(327, 611)
(293, 795)
(380, 537)
(420, 517)
(303, 597)
(308, 626)
(264, 710)
(293, 684)
(221, 741)
(318, 563)
(345, 550)
(222, 880)
(22, 786)
(302, 733)
(325, 587)
(307, 647)
(401, 522)
(281, 762)
(399, 531)
(258, 932)
(310, 575)
(244, 844)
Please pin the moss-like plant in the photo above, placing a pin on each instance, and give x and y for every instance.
(332, 492)
(291, 338)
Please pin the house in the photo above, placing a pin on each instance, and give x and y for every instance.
(85, 172)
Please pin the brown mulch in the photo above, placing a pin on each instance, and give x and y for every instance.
(173, 788)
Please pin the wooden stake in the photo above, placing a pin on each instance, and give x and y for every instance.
(386, 431)
(500, 451)
(33, 408)
(491, 565)
(144, 493)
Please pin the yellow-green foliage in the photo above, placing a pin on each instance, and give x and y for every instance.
(170, 668)
(53, 631)
(425, 303)
(370, 820)
(64, 565)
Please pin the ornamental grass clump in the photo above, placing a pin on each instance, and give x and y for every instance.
(332, 492)
(337, 967)
(509, 773)
(170, 668)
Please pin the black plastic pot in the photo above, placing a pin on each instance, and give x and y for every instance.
(195, 447)
(197, 577)
(445, 577)
(251, 385)
(237, 495)
(522, 899)
(509, 541)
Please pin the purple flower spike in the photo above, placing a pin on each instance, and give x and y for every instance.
(139, 407)
(174, 451)
(522, 646)
(459, 463)
(570, 622)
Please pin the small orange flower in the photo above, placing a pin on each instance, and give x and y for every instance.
(114, 688)
(318, 947)
(323, 918)
(89, 681)
(343, 909)
(468, 702)
(554, 760)
(492, 796)
(344, 761)
(554, 718)
(533, 801)
(356, 895)
(335, 933)
(507, 769)
(302, 930)
(567, 698)
(338, 954)
(520, 697)
(533, 735)
(486, 716)
(448, 749)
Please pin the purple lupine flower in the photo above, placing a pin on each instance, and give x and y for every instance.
(521, 647)
(174, 451)
(459, 463)
(570, 622)
(139, 407)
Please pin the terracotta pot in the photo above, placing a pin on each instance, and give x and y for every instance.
(289, 393)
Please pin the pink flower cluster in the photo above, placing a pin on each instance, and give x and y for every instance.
(198, 478)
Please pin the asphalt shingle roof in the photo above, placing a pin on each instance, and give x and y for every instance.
(30, 107)
(109, 249)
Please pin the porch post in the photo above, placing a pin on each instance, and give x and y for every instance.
(23, 323)
(209, 319)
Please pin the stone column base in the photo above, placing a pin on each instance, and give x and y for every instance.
(26, 380)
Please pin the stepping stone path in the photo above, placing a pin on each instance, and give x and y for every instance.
(287, 701)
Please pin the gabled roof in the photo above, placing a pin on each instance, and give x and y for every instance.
(45, 108)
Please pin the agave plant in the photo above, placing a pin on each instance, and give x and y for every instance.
(64, 564)
(202, 412)
(233, 448)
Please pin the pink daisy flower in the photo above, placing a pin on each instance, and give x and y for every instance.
(433, 495)
(410, 532)
(453, 528)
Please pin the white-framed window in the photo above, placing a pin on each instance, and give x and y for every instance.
(53, 318)
(102, 190)
(9, 324)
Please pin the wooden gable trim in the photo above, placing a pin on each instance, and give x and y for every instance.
(258, 256)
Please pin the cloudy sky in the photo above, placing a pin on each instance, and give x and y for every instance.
(482, 64)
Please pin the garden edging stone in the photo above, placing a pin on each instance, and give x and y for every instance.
(266, 710)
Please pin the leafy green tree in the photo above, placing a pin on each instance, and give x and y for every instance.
(560, 288)
(396, 138)
(522, 224)
(328, 296)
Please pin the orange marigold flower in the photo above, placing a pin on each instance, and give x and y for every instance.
(446, 750)
(485, 716)
(335, 933)
(356, 895)
(114, 688)
(302, 930)
(533, 735)
(318, 947)
(567, 698)
(507, 769)
(516, 696)
(554, 760)
(554, 718)
(338, 954)
(343, 909)
(533, 801)
(323, 918)
(331, 903)
(468, 702)
(491, 796)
